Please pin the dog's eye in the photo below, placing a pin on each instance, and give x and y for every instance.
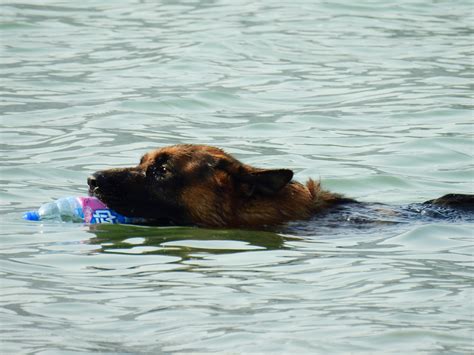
(158, 172)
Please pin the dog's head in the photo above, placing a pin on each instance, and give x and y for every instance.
(187, 184)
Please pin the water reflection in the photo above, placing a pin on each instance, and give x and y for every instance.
(184, 242)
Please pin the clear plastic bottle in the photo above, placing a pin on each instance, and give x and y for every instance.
(79, 209)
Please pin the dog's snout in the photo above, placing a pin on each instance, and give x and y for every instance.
(95, 180)
(92, 181)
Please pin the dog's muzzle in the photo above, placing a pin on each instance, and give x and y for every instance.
(93, 183)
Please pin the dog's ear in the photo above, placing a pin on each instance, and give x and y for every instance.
(267, 182)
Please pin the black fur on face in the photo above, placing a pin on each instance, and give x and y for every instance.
(149, 190)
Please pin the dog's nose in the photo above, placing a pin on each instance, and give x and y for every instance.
(92, 181)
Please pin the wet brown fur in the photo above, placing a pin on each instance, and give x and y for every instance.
(202, 185)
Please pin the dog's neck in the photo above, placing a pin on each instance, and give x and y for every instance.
(294, 201)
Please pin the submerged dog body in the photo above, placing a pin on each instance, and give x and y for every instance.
(204, 186)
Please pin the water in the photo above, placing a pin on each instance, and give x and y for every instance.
(373, 98)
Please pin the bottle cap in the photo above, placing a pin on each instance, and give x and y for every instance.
(31, 216)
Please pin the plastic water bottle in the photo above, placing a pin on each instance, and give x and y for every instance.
(79, 209)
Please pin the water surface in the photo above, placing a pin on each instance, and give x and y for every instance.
(373, 98)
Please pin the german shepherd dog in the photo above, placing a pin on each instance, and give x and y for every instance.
(204, 186)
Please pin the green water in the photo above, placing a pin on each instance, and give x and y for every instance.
(373, 98)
